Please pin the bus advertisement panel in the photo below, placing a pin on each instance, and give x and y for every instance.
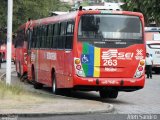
(152, 36)
(89, 50)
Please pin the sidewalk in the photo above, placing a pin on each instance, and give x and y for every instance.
(50, 104)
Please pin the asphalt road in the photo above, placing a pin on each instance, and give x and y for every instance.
(92, 117)
(138, 105)
(145, 101)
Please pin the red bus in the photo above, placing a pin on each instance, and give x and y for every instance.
(88, 50)
(21, 51)
(152, 36)
(3, 52)
(3, 49)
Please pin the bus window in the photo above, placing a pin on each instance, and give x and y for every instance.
(56, 35)
(105, 31)
(39, 42)
(69, 37)
(34, 37)
(47, 38)
(50, 34)
(43, 35)
(62, 36)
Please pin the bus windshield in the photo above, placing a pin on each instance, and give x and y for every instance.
(110, 30)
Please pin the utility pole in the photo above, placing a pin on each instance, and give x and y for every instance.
(9, 41)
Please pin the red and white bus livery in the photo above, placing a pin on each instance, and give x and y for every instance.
(88, 50)
(152, 36)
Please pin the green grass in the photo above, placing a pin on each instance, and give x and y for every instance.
(9, 90)
(18, 93)
(12, 96)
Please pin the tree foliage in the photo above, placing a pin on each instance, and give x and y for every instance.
(149, 8)
(34, 9)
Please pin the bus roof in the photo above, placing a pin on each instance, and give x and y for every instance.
(152, 42)
(72, 15)
(101, 8)
(54, 13)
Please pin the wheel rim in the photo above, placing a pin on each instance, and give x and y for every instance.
(54, 86)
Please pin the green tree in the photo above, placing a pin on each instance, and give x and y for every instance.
(149, 8)
(34, 9)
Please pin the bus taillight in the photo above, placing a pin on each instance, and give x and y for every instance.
(140, 69)
(77, 61)
(78, 67)
(142, 62)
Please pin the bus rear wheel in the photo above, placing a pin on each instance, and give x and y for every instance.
(104, 94)
(113, 94)
(108, 93)
(157, 71)
(38, 85)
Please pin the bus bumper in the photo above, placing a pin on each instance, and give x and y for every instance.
(121, 84)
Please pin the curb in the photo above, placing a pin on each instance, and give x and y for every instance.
(108, 110)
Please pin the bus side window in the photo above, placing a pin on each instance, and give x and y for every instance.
(69, 35)
(62, 36)
(39, 42)
(42, 36)
(29, 38)
(37, 37)
(20, 38)
(33, 38)
(50, 34)
(46, 37)
(56, 35)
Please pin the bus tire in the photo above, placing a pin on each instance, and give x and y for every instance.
(157, 71)
(18, 75)
(38, 85)
(104, 93)
(108, 93)
(113, 94)
(54, 85)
